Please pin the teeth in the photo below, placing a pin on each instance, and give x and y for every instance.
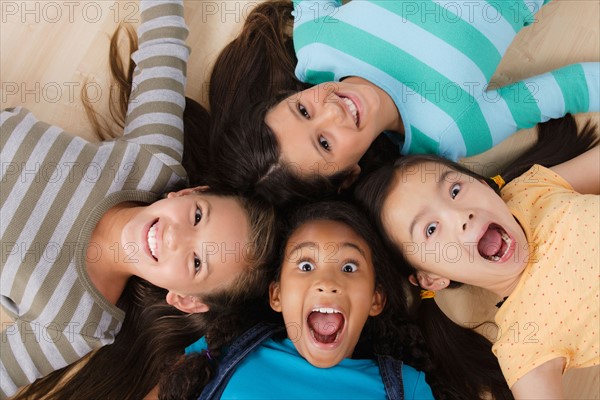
(152, 239)
(326, 310)
(506, 240)
(352, 107)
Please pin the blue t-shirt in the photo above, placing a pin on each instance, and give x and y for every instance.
(275, 370)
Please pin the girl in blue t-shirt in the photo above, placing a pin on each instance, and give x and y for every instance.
(345, 327)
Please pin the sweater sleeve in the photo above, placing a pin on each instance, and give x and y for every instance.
(155, 110)
(34, 345)
(496, 114)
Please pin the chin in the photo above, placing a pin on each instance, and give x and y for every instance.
(324, 363)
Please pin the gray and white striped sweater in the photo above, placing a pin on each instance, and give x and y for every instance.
(54, 188)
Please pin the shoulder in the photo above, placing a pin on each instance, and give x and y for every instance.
(533, 186)
(415, 386)
(313, 10)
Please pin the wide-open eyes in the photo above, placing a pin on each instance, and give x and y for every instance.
(430, 229)
(197, 263)
(197, 216)
(454, 190)
(305, 266)
(324, 143)
(349, 267)
(308, 266)
(302, 110)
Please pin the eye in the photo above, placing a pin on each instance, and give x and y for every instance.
(303, 111)
(198, 216)
(454, 190)
(197, 263)
(305, 266)
(430, 229)
(324, 143)
(349, 267)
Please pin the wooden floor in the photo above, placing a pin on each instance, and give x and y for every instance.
(48, 50)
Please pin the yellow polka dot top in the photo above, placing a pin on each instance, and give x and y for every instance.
(553, 311)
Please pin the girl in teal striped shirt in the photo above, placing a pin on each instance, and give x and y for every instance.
(418, 71)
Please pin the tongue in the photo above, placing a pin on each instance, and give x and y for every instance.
(490, 243)
(325, 326)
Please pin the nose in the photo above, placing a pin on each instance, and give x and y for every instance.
(326, 283)
(465, 223)
(332, 113)
(175, 236)
(332, 110)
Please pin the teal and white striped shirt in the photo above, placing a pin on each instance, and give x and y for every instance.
(435, 59)
(55, 187)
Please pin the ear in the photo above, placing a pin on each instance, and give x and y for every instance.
(186, 191)
(429, 281)
(378, 303)
(351, 178)
(274, 296)
(187, 304)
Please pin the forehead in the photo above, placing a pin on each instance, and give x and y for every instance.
(225, 213)
(413, 186)
(428, 173)
(326, 233)
(292, 138)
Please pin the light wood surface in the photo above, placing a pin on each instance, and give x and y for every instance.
(48, 50)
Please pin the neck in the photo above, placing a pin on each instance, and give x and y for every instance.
(505, 288)
(104, 256)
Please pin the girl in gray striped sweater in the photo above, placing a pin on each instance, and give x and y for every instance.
(80, 219)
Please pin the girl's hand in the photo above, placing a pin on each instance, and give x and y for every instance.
(544, 382)
(582, 172)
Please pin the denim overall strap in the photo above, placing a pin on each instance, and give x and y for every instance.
(239, 349)
(391, 375)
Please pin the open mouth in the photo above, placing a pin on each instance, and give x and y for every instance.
(494, 244)
(326, 324)
(152, 242)
(351, 106)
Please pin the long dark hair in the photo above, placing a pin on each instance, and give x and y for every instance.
(154, 333)
(460, 352)
(257, 65)
(252, 74)
(245, 160)
(151, 339)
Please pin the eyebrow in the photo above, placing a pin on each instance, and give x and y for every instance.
(356, 247)
(440, 185)
(302, 245)
(315, 244)
(207, 213)
(293, 109)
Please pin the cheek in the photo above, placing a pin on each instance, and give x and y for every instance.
(414, 258)
(231, 270)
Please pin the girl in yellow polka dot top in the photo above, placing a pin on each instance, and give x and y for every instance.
(534, 243)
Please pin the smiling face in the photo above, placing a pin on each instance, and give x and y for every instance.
(329, 127)
(326, 291)
(189, 243)
(451, 226)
